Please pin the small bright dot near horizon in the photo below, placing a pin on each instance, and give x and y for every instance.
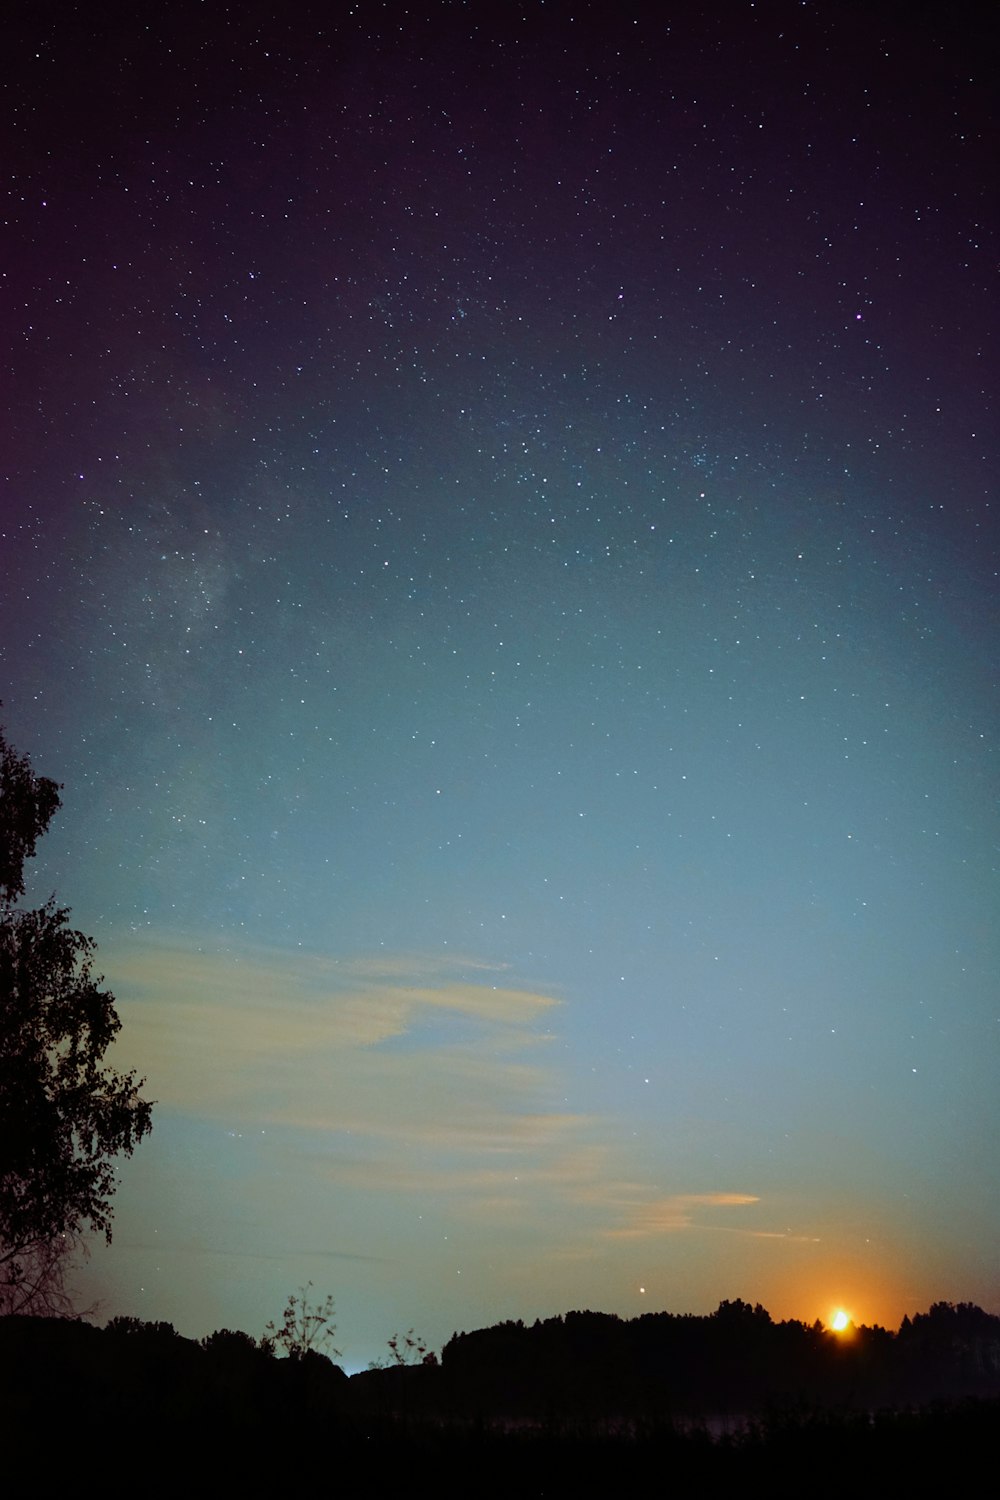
(840, 1320)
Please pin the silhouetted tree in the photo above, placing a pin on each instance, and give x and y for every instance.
(229, 1344)
(410, 1349)
(305, 1327)
(63, 1117)
(35, 1280)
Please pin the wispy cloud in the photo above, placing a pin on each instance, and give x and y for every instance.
(648, 1217)
(283, 1004)
(402, 1075)
(301, 1040)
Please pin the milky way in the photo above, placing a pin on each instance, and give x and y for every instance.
(498, 548)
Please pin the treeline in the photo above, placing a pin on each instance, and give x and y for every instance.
(580, 1400)
(735, 1361)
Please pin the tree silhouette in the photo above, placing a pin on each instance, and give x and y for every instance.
(63, 1116)
(410, 1349)
(27, 805)
(304, 1327)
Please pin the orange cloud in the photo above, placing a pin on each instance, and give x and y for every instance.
(650, 1217)
(414, 1075)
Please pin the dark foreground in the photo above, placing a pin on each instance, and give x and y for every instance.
(134, 1408)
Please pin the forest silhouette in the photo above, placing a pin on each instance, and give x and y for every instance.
(578, 1401)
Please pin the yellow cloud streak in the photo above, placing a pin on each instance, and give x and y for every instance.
(657, 1216)
(430, 1087)
(301, 1041)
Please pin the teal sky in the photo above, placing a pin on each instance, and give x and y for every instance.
(498, 547)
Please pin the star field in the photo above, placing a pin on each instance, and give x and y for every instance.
(498, 546)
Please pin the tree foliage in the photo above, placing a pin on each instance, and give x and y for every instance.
(305, 1326)
(64, 1117)
(410, 1349)
(27, 805)
(35, 1280)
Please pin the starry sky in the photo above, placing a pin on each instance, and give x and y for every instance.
(497, 545)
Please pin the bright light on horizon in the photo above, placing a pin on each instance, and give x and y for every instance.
(840, 1321)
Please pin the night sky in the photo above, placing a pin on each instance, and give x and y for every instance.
(497, 545)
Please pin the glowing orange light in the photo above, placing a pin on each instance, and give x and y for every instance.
(840, 1320)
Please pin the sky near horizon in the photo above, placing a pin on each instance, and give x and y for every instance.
(497, 544)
